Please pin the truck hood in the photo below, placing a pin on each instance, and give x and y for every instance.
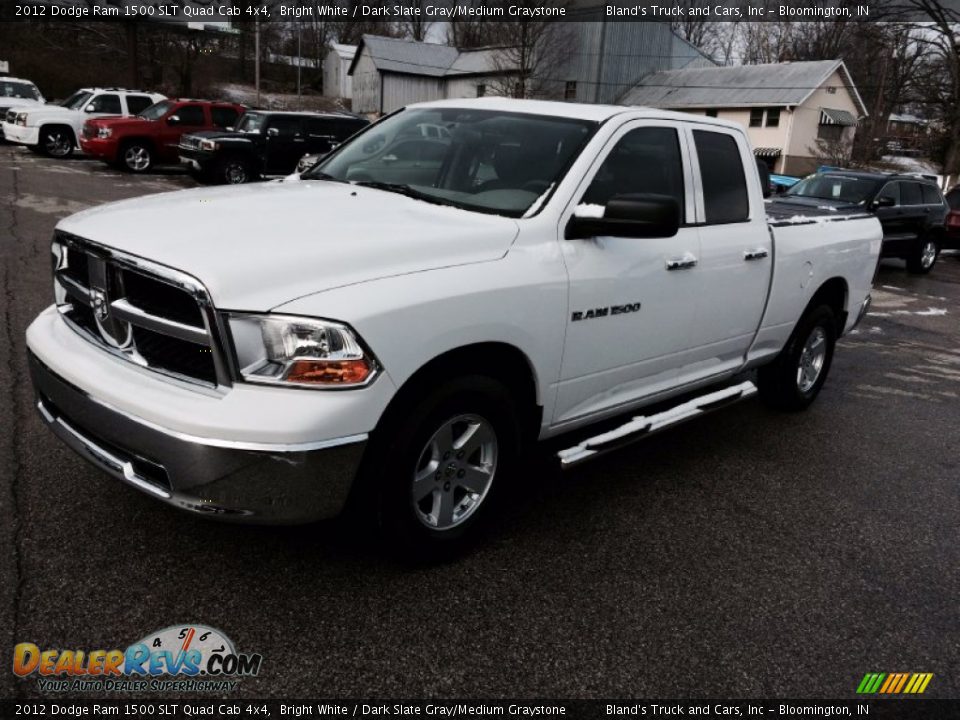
(261, 245)
(119, 122)
(36, 115)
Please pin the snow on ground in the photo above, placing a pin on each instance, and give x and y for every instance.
(911, 164)
(247, 95)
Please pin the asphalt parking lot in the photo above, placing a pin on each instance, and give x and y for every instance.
(747, 554)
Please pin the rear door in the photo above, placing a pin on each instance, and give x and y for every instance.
(631, 301)
(913, 214)
(185, 119)
(285, 142)
(736, 253)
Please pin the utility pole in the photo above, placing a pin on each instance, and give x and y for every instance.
(299, 63)
(256, 58)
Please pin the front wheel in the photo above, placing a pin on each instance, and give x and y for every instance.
(235, 171)
(136, 157)
(437, 470)
(923, 257)
(794, 379)
(56, 141)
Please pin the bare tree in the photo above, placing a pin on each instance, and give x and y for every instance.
(942, 39)
(416, 26)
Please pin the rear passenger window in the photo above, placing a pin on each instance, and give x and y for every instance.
(136, 104)
(910, 194)
(191, 115)
(106, 104)
(224, 117)
(725, 197)
(319, 128)
(931, 195)
(645, 160)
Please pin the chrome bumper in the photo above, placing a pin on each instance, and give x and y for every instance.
(268, 485)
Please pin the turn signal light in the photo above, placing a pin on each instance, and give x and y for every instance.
(329, 372)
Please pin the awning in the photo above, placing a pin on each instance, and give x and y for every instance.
(767, 152)
(836, 117)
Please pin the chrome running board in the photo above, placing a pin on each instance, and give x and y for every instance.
(642, 426)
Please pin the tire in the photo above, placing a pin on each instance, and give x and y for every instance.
(136, 156)
(432, 476)
(924, 256)
(794, 379)
(56, 141)
(234, 171)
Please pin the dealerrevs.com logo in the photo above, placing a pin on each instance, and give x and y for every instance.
(184, 658)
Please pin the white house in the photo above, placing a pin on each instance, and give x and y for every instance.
(606, 59)
(785, 107)
(336, 71)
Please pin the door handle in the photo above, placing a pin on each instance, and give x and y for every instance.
(755, 254)
(687, 260)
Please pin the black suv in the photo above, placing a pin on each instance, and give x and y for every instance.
(910, 208)
(265, 143)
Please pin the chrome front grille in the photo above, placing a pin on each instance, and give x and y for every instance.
(190, 142)
(145, 313)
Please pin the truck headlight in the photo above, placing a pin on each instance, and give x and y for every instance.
(21, 119)
(291, 350)
(208, 145)
(104, 132)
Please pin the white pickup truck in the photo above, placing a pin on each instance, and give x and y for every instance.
(389, 331)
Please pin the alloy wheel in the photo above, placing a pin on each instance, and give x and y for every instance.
(812, 358)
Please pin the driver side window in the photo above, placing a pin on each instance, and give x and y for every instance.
(106, 104)
(645, 160)
(891, 190)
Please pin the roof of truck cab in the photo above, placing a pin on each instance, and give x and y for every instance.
(7, 78)
(576, 111)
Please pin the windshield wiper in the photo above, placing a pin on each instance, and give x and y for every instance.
(402, 189)
(307, 175)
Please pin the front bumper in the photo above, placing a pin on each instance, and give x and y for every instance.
(196, 160)
(101, 148)
(268, 486)
(21, 134)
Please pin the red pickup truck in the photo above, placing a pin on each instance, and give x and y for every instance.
(151, 138)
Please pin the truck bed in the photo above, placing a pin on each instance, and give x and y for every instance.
(781, 213)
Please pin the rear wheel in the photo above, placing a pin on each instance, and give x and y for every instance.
(57, 141)
(434, 473)
(235, 171)
(136, 156)
(794, 379)
(924, 256)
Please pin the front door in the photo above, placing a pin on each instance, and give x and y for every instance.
(632, 301)
(285, 145)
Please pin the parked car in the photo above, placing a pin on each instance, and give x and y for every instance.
(911, 209)
(153, 137)
(55, 129)
(399, 344)
(17, 92)
(952, 237)
(265, 143)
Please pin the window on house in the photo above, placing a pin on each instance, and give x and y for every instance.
(481, 90)
(756, 117)
(711, 113)
(773, 117)
(831, 90)
(830, 132)
(570, 90)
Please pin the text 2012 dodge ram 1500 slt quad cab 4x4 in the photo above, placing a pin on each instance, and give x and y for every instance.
(388, 333)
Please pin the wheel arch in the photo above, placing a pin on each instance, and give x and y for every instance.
(835, 293)
(50, 124)
(501, 361)
(145, 139)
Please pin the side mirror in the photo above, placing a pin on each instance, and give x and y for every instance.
(273, 132)
(90, 108)
(641, 215)
(173, 120)
(885, 201)
(764, 172)
(229, 128)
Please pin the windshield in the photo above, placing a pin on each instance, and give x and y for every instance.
(76, 100)
(250, 123)
(25, 91)
(156, 111)
(840, 188)
(484, 160)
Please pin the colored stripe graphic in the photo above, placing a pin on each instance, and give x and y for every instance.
(894, 683)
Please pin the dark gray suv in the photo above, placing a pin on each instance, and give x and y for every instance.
(910, 208)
